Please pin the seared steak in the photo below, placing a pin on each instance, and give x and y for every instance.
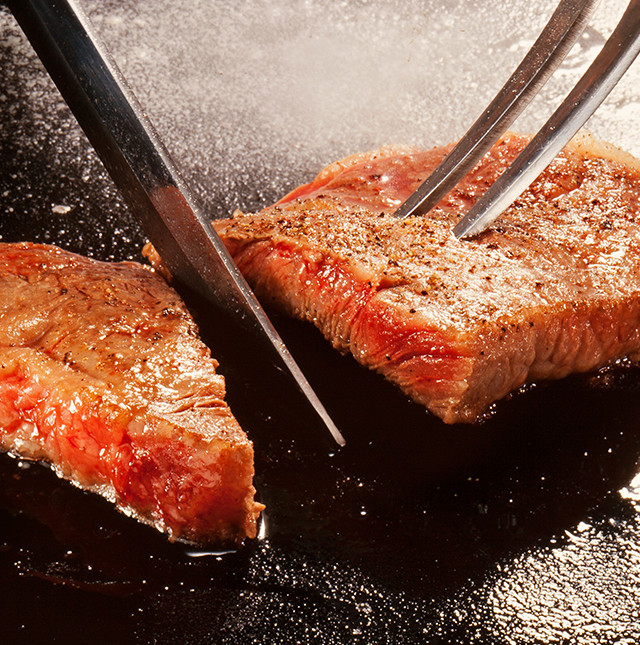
(552, 289)
(102, 375)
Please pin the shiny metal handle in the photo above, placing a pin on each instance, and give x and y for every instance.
(556, 39)
(612, 62)
(141, 167)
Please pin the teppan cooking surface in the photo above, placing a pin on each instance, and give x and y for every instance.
(522, 529)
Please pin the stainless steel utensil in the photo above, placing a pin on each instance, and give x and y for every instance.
(607, 69)
(612, 62)
(141, 167)
(560, 33)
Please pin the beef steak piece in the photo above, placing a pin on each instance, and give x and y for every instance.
(553, 288)
(102, 375)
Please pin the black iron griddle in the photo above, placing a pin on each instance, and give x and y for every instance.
(522, 529)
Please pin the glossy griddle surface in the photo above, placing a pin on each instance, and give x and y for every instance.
(522, 529)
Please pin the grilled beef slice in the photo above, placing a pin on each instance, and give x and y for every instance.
(551, 289)
(102, 374)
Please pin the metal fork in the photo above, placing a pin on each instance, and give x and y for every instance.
(559, 35)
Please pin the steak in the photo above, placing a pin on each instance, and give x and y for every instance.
(552, 289)
(102, 375)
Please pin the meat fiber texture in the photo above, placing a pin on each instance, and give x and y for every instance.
(102, 375)
(551, 289)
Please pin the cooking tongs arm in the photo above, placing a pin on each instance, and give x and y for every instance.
(617, 54)
(141, 167)
(607, 69)
(559, 35)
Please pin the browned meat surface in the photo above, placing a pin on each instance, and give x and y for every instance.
(552, 289)
(102, 374)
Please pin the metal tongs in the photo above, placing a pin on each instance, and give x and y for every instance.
(141, 167)
(560, 33)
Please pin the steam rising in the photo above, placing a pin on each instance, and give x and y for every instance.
(254, 97)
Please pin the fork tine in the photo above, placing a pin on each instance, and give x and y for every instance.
(612, 62)
(558, 36)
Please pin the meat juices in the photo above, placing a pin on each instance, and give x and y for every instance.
(552, 288)
(102, 374)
